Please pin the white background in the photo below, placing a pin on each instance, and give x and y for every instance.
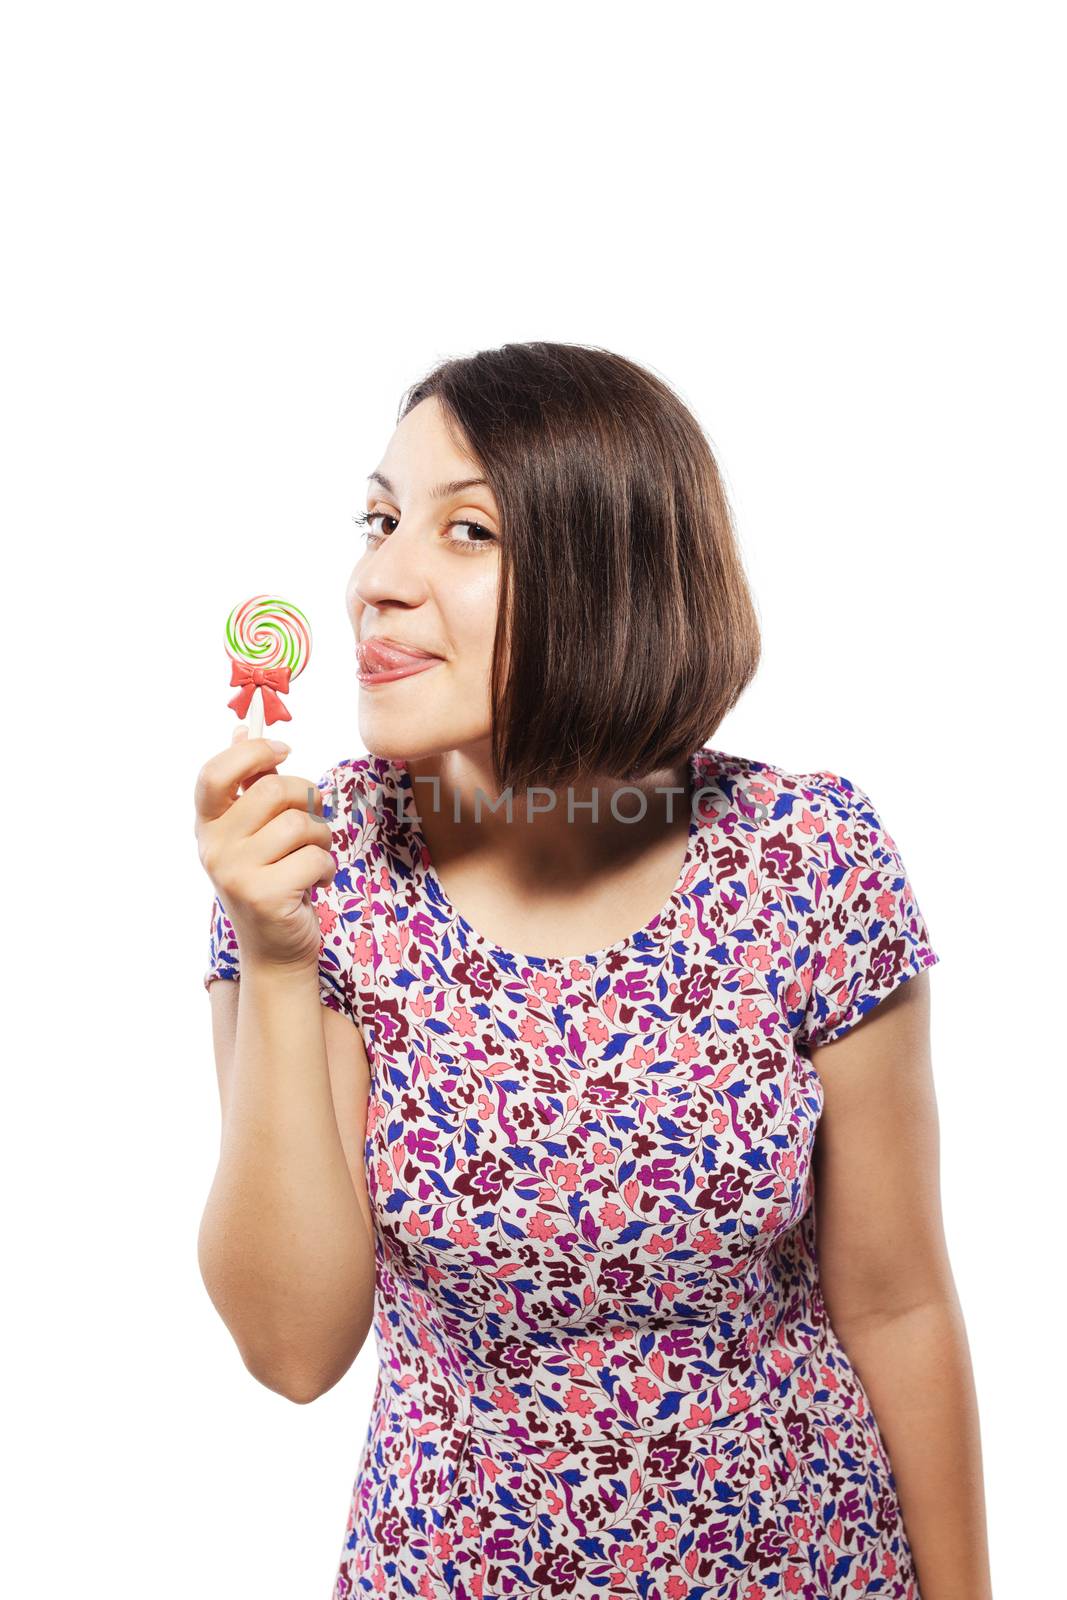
(235, 235)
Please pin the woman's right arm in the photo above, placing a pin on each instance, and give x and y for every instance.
(286, 1244)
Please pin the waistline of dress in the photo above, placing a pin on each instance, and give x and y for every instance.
(693, 1414)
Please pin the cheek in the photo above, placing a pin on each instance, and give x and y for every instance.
(468, 608)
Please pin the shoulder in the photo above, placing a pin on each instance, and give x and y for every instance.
(360, 794)
(766, 792)
(815, 852)
(813, 825)
(848, 831)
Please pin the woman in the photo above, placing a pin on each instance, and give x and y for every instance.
(613, 1024)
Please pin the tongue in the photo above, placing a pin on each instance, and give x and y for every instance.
(390, 659)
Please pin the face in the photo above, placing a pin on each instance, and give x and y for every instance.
(428, 580)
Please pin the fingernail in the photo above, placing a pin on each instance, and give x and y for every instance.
(278, 747)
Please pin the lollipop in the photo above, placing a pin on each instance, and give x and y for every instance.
(269, 642)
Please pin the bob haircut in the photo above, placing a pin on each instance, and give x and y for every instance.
(626, 629)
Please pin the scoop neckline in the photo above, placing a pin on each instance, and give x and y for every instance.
(514, 958)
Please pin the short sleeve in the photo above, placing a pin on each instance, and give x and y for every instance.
(344, 907)
(868, 933)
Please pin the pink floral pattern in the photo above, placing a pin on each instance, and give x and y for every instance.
(605, 1366)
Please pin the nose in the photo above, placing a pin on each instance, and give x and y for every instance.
(391, 571)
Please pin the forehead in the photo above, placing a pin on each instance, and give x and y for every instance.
(425, 458)
(428, 434)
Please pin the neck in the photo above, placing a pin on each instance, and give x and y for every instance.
(461, 810)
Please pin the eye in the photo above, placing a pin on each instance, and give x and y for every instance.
(485, 542)
(366, 518)
(481, 538)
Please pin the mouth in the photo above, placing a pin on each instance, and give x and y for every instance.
(384, 660)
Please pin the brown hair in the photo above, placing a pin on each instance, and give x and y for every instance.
(626, 630)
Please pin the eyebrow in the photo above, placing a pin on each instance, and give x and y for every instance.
(440, 491)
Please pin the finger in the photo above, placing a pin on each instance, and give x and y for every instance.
(272, 796)
(220, 778)
(299, 870)
(283, 830)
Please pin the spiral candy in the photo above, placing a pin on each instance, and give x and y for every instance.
(269, 642)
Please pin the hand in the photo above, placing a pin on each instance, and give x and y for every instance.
(264, 850)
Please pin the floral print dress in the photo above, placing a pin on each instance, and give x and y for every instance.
(605, 1366)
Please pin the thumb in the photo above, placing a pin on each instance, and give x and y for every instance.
(240, 732)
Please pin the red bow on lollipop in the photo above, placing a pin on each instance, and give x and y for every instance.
(270, 681)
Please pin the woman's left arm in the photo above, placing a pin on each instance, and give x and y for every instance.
(888, 1287)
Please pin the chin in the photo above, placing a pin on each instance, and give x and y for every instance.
(410, 738)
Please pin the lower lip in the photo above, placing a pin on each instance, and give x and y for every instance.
(368, 680)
